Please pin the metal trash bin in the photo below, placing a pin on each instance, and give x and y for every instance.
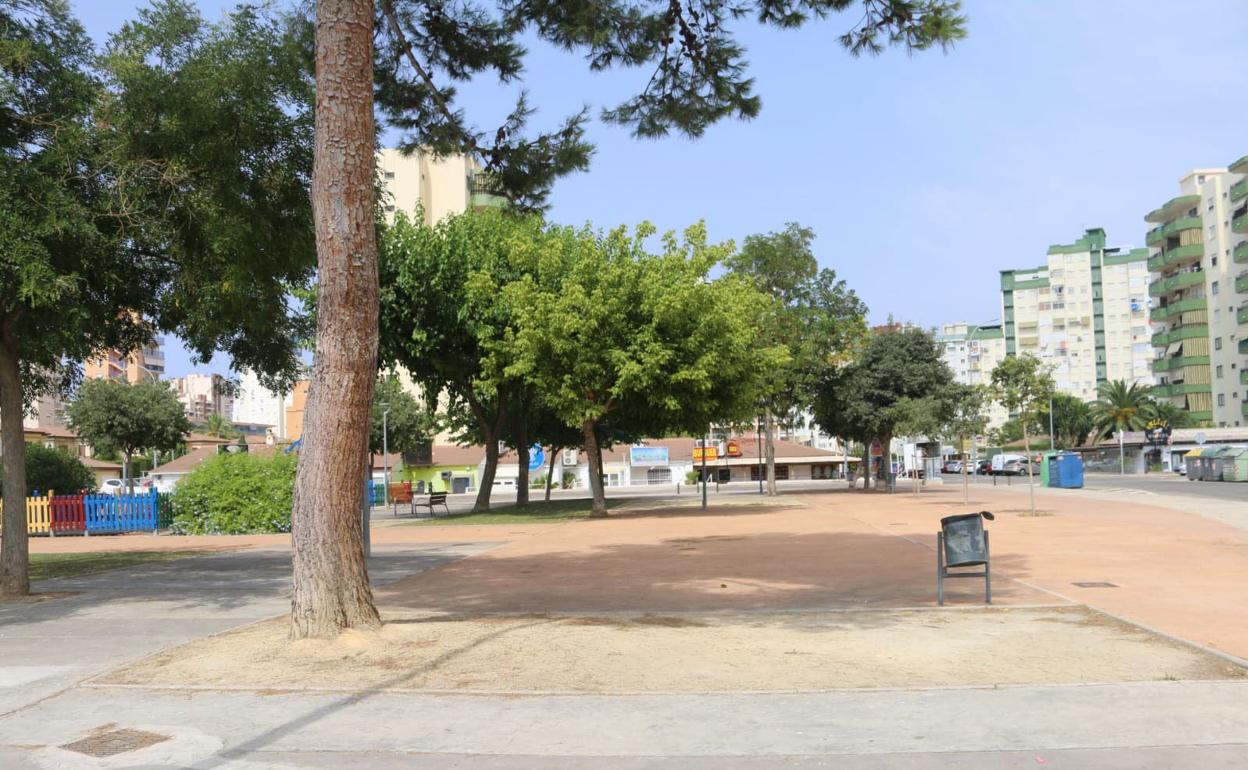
(963, 542)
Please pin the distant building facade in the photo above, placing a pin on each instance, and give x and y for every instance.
(1084, 313)
(203, 395)
(972, 352)
(144, 365)
(1199, 287)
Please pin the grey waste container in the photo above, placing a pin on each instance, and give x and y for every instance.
(963, 542)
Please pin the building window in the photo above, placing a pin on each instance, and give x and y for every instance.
(1219, 371)
(1221, 399)
(389, 175)
(1213, 261)
(1217, 343)
(1215, 287)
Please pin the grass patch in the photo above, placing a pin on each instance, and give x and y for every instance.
(536, 511)
(48, 566)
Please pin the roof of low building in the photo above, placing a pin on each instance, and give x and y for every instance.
(186, 462)
(100, 465)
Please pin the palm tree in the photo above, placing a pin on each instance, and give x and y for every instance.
(1119, 408)
(218, 426)
(1168, 413)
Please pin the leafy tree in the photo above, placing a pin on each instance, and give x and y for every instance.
(441, 316)
(422, 50)
(162, 186)
(1072, 420)
(860, 400)
(618, 339)
(48, 468)
(236, 494)
(112, 415)
(408, 425)
(965, 417)
(1023, 385)
(63, 272)
(814, 316)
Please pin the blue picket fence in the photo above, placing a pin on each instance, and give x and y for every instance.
(106, 514)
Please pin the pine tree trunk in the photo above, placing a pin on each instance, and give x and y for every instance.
(14, 549)
(770, 449)
(522, 462)
(331, 589)
(594, 454)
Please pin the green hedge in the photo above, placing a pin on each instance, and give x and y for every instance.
(235, 494)
(49, 468)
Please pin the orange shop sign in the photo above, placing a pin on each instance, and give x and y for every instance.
(709, 453)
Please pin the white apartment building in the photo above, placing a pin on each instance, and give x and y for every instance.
(1084, 313)
(972, 352)
(1199, 290)
(203, 395)
(257, 405)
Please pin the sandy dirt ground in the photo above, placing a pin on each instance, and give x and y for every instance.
(690, 653)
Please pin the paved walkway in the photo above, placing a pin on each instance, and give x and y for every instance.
(1178, 572)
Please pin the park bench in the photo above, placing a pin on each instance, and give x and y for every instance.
(400, 492)
(435, 498)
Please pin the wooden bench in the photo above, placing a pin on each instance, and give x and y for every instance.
(435, 498)
(400, 492)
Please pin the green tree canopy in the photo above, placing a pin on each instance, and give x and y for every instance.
(860, 400)
(1023, 385)
(1072, 420)
(112, 415)
(408, 424)
(611, 334)
(48, 468)
(814, 316)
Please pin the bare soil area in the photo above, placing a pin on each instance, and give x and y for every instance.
(691, 652)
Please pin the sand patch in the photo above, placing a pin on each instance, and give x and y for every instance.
(632, 652)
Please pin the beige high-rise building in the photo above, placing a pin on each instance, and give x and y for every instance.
(144, 365)
(203, 395)
(1199, 290)
(1084, 313)
(443, 186)
(972, 352)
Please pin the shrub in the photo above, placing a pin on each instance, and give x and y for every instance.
(235, 494)
(57, 470)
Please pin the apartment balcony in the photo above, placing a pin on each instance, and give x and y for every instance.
(1243, 376)
(1157, 236)
(1178, 256)
(1243, 346)
(1176, 282)
(1243, 408)
(1241, 283)
(1179, 362)
(1239, 190)
(1172, 208)
(1240, 224)
(1240, 253)
(1193, 331)
(1180, 389)
(1240, 166)
(485, 191)
(1241, 315)
(1159, 314)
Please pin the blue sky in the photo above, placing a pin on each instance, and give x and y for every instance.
(925, 175)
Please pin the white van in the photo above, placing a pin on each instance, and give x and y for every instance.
(1000, 461)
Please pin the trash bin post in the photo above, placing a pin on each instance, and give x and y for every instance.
(968, 548)
(987, 571)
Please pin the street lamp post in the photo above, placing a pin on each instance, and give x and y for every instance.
(758, 434)
(1052, 434)
(385, 453)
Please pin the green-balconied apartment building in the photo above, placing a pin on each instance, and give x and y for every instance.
(1084, 313)
(1198, 284)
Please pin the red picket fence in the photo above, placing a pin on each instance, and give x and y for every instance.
(69, 515)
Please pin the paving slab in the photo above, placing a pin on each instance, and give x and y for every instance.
(106, 619)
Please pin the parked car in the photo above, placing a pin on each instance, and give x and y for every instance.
(1019, 468)
(984, 468)
(118, 487)
(951, 466)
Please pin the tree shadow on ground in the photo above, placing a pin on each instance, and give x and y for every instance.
(755, 572)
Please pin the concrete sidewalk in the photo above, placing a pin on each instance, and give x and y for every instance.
(124, 614)
(1166, 724)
